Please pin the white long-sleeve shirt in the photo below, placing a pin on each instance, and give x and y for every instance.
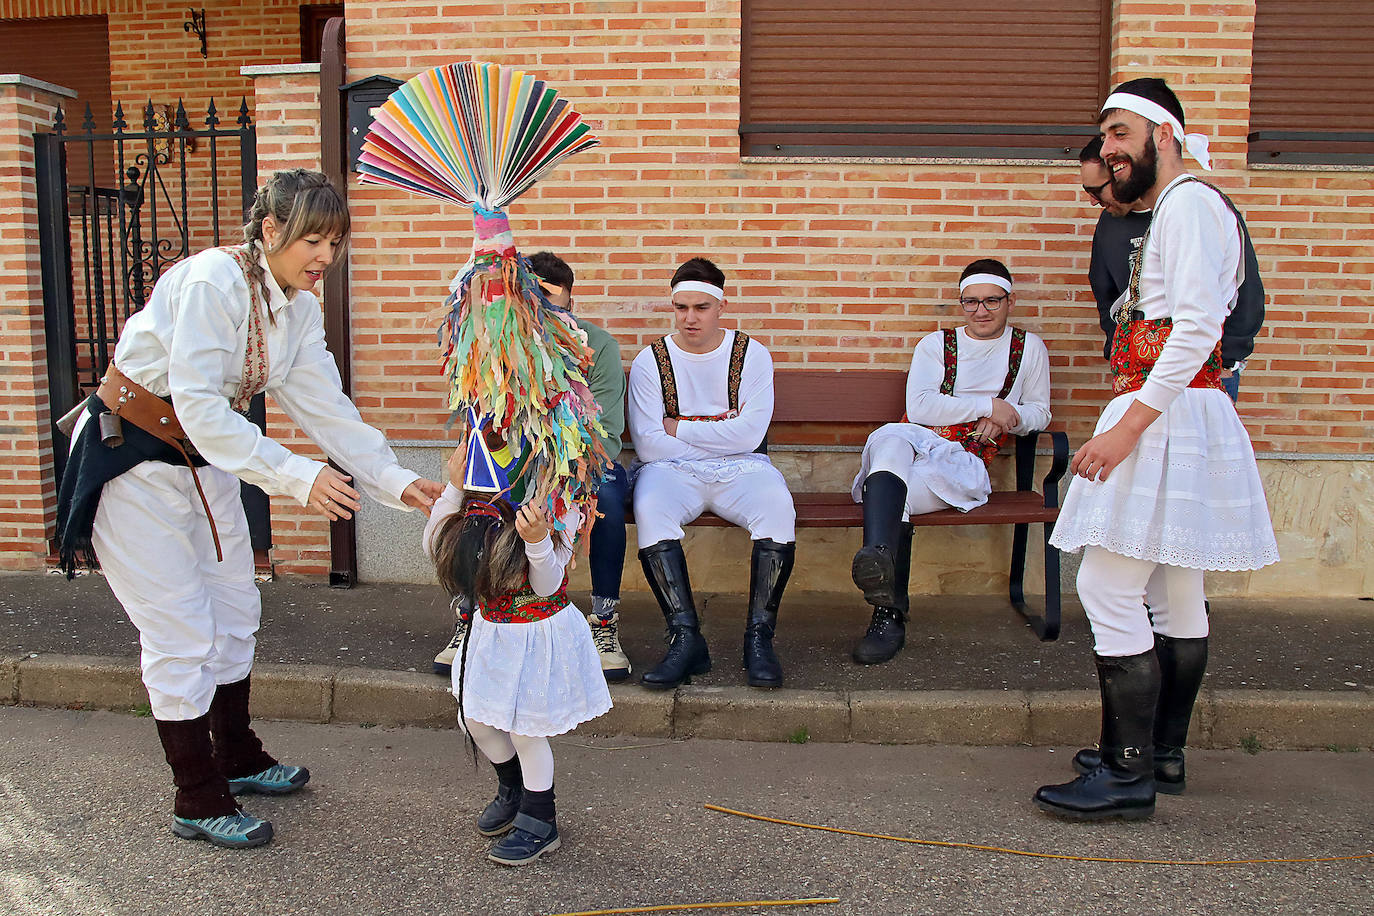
(1191, 273)
(702, 391)
(188, 343)
(982, 370)
(547, 562)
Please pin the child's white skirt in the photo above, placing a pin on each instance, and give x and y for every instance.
(540, 678)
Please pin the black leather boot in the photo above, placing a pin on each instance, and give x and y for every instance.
(874, 569)
(1182, 663)
(665, 568)
(1124, 784)
(769, 569)
(887, 630)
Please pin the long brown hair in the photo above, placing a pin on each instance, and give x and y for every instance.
(479, 557)
(302, 203)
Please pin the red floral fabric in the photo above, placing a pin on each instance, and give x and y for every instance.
(525, 606)
(962, 433)
(1136, 346)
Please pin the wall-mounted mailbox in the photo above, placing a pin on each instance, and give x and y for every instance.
(362, 96)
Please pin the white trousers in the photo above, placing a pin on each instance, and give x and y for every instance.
(896, 456)
(196, 617)
(667, 497)
(1115, 590)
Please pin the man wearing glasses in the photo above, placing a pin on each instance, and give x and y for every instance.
(968, 389)
(1119, 231)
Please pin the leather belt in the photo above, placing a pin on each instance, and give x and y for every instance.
(131, 402)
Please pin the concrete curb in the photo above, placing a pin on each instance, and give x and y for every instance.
(1271, 719)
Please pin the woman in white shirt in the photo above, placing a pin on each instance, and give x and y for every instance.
(162, 513)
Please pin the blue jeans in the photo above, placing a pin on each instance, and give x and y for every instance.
(1232, 385)
(608, 534)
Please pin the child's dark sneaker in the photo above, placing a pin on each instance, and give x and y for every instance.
(530, 839)
(499, 815)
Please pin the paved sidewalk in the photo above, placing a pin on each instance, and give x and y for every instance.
(1291, 674)
(385, 829)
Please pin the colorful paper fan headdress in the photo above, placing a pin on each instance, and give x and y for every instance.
(481, 135)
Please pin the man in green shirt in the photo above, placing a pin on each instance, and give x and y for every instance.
(607, 554)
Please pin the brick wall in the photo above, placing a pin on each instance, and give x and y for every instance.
(843, 263)
(28, 498)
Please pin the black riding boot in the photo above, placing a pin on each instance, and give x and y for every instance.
(665, 568)
(1182, 663)
(1124, 784)
(769, 569)
(887, 630)
(875, 569)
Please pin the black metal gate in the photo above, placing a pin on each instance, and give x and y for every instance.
(179, 189)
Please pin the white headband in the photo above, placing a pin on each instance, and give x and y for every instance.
(984, 278)
(697, 286)
(1195, 144)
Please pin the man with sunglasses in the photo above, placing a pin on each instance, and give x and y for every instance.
(1119, 230)
(967, 390)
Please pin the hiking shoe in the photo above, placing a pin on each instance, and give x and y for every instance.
(278, 779)
(443, 662)
(234, 831)
(615, 664)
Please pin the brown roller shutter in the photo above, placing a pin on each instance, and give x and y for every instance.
(1313, 65)
(70, 51)
(893, 78)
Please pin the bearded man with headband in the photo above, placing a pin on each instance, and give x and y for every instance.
(1168, 486)
(701, 400)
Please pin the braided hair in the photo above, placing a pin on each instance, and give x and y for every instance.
(301, 203)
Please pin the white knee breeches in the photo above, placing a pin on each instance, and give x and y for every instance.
(666, 498)
(196, 617)
(1115, 590)
(896, 456)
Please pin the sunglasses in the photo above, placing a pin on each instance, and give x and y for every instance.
(1096, 192)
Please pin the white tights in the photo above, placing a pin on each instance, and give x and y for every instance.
(1115, 589)
(536, 756)
(896, 456)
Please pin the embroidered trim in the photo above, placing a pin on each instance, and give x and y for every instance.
(254, 379)
(668, 381)
(962, 433)
(525, 606)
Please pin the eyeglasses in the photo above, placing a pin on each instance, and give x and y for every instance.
(991, 303)
(1096, 193)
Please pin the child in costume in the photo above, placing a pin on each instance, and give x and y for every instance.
(527, 667)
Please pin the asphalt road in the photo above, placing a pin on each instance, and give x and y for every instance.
(385, 828)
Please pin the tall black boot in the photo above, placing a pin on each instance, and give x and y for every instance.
(1124, 785)
(1182, 663)
(887, 630)
(769, 568)
(874, 569)
(665, 568)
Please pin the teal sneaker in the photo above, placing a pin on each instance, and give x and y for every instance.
(235, 831)
(278, 779)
